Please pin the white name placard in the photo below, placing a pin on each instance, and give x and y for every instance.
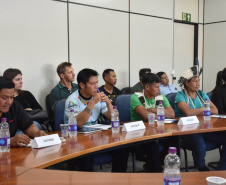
(132, 126)
(135, 134)
(188, 120)
(188, 127)
(44, 141)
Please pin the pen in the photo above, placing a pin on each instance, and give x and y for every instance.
(98, 90)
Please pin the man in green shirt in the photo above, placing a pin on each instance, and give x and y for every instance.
(139, 86)
(145, 102)
(65, 87)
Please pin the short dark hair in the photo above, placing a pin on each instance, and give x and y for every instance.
(143, 71)
(160, 74)
(106, 72)
(6, 83)
(150, 78)
(84, 75)
(61, 67)
(11, 73)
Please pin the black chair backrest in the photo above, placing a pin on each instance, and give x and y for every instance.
(126, 90)
(210, 94)
(49, 110)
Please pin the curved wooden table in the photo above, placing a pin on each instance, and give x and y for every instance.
(57, 177)
(85, 144)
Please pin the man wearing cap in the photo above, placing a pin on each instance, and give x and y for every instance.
(190, 102)
(166, 87)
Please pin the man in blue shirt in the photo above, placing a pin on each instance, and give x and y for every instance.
(190, 102)
(166, 87)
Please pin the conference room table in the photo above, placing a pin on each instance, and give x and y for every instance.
(21, 161)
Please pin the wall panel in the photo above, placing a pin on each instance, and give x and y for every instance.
(151, 40)
(99, 40)
(160, 8)
(33, 39)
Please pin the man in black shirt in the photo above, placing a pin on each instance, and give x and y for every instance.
(17, 118)
(109, 89)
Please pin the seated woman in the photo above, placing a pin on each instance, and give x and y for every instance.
(190, 102)
(25, 98)
(219, 92)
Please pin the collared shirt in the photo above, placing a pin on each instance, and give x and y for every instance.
(78, 103)
(134, 102)
(61, 92)
(193, 103)
(167, 90)
(17, 118)
(137, 87)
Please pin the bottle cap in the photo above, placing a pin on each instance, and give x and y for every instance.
(3, 119)
(72, 110)
(172, 150)
(114, 107)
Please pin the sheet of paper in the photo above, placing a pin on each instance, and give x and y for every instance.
(218, 116)
(101, 126)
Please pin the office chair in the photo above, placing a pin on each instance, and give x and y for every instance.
(126, 90)
(210, 94)
(49, 112)
(123, 105)
(59, 114)
(209, 146)
(171, 99)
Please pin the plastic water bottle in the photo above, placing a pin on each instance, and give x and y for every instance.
(4, 136)
(172, 168)
(206, 110)
(115, 124)
(160, 114)
(72, 124)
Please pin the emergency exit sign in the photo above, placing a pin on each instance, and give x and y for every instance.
(186, 17)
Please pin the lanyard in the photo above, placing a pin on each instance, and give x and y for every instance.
(193, 102)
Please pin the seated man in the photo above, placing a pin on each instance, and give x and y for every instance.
(88, 104)
(190, 102)
(16, 117)
(109, 89)
(65, 87)
(139, 86)
(145, 102)
(166, 87)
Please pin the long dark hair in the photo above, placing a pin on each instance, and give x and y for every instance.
(221, 79)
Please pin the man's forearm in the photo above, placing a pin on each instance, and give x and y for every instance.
(84, 116)
(108, 113)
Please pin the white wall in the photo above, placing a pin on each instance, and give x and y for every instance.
(102, 35)
(33, 39)
(100, 41)
(214, 41)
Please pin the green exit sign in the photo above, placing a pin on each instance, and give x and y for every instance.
(186, 17)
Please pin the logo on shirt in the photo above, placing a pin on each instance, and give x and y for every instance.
(12, 120)
(71, 104)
